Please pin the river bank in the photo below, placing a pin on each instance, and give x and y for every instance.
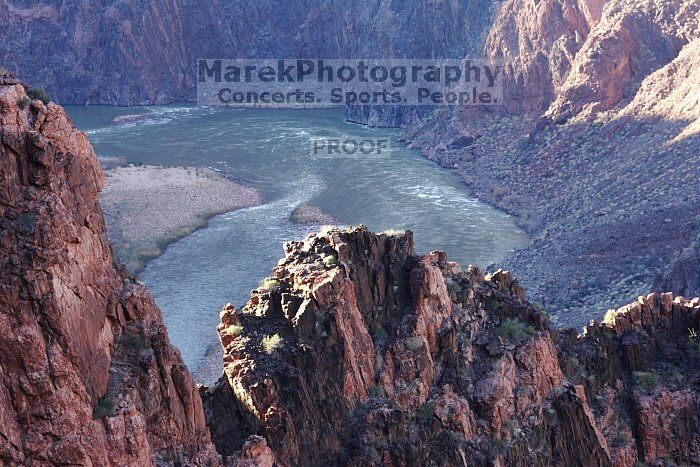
(148, 207)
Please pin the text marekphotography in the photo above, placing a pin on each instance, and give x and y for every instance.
(338, 82)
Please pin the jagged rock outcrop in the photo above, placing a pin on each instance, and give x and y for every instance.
(87, 373)
(357, 352)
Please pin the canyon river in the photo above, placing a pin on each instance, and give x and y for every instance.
(271, 150)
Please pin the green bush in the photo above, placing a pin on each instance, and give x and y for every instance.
(104, 408)
(271, 343)
(514, 329)
(23, 102)
(330, 260)
(135, 342)
(40, 94)
(645, 380)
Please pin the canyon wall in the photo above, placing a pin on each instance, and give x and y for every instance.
(127, 53)
(357, 352)
(87, 373)
(596, 150)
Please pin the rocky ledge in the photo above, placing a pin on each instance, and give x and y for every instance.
(358, 352)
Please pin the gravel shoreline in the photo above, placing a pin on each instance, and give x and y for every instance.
(147, 208)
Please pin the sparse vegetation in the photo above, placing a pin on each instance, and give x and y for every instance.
(514, 329)
(377, 391)
(677, 377)
(393, 232)
(543, 313)
(609, 318)
(413, 343)
(425, 412)
(136, 342)
(269, 284)
(233, 330)
(380, 442)
(23, 102)
(379, 333)
(499, 446)
(693, 340)
(453, 286)
(646, 380)
(40, 94)
(619, 439)
(271, 343)
(104, 408)
(330, 261)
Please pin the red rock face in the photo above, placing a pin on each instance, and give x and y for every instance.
(87, 374)
(575, 58)
(359, 353)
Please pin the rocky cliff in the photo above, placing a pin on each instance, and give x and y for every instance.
(129, 52)
(358, 352)
(87, 374)
(598, 141)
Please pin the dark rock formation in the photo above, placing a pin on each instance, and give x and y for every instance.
(87, 373)
(357, 352)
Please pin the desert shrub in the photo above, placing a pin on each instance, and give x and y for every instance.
(39, 93)
(379, 333)
(609, 318)
(271, 343)
(136, 342)
(453, 286)
(466, 372)
(693, 340)
(413, 343)
(543, 313)
(514, 329)
(377, 391)
(104, 408)
(645, 380)
(380, 442)
(330, 260)
(233, 330)
(23, 102)
(619, 440)
(499, 446)
(677, 377)
(269, 284)
(425, 412)
(393, 232)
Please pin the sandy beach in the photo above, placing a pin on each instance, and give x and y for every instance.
(147, 207)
